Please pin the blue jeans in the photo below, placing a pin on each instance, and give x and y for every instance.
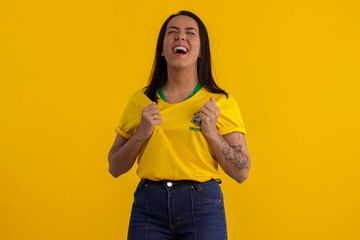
(181, 210)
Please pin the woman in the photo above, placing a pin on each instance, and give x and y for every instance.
(181, 126)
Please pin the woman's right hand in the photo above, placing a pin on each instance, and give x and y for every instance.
(150, 117)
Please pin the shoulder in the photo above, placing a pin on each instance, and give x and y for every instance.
(222, 100)
(139, 93)
(138, 99)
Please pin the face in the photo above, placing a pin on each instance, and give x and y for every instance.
(181, 46)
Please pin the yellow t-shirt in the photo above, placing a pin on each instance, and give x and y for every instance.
(177, 150)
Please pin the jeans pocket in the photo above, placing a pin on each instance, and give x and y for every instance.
(209, 192)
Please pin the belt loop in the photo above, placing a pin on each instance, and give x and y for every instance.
(195, 185)
(218, 180)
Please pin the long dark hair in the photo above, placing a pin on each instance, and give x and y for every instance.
(158, 75)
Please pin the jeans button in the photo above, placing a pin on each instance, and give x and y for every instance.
(169, 184)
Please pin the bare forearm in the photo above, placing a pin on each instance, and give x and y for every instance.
(122, 158)
(231, 159)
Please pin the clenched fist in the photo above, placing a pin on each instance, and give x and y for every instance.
(150, 117)
(209, 114)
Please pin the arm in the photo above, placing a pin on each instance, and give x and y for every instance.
(123, 152)
(232, 154)
(230, 149)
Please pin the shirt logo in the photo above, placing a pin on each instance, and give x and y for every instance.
(197, 122)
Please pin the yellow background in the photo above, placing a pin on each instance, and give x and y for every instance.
(68, 68)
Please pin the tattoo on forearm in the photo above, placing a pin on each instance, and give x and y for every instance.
(240, 139)
(237, 148)
(234, 154)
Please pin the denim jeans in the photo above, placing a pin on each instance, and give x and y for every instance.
(181, 210)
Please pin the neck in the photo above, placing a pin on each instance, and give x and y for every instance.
(181, 79)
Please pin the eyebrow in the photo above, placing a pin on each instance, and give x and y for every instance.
(188, 28)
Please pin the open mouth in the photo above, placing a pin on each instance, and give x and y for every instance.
(180, 50)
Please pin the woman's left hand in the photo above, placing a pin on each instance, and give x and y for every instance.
(209, 114)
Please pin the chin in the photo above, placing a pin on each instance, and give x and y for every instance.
(178, 64)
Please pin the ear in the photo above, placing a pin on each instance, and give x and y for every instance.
(162, 53)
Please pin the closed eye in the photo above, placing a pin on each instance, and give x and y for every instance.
(187, 32)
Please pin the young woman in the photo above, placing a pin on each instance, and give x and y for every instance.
(180, 127)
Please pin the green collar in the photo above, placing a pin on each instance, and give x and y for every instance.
(196, 89)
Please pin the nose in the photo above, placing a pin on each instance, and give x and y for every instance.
(180, 35)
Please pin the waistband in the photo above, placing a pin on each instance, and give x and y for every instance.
(179, 183)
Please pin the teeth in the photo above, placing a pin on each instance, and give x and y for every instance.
(180, 48)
